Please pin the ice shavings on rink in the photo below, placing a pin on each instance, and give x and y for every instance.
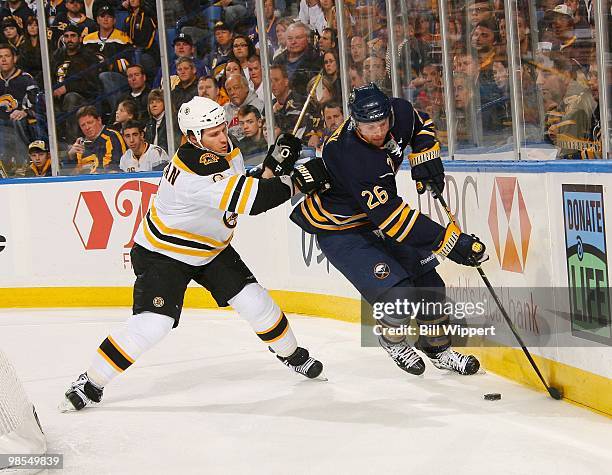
(211, 399)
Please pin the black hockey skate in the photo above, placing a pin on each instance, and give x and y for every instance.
(301, 362)
(451, 360)
(404, 356)
(81, 393)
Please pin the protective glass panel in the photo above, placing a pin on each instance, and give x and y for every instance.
(21, 123)
(559, 79)
(104, 61)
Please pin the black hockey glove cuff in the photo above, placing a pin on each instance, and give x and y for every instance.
(461, 248)
(283, 154)
(311, 176)
(427, 169)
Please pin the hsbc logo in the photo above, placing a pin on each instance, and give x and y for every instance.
(94, 218)
(509, 224)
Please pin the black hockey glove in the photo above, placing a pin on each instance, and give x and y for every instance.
(283, 154)
(311, 176)
(427, 169)
(461, 248)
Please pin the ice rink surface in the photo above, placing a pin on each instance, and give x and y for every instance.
(211, 399)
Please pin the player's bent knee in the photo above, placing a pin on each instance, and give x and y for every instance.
(149, 328)
(254, 302)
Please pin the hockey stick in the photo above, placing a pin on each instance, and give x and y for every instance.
(305, 106)
(555, 393)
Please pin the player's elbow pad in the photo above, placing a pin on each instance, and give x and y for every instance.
(271, 192)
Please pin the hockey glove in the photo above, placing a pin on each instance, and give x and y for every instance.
(461, 248)
(283, 154)
(311, 176)
(427, 169)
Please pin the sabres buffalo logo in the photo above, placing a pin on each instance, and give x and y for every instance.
(8, 102)
(230, 219)
(208, 158)
(381, 271)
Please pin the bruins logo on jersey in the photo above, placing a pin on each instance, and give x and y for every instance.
(8, 102)
(230, 219)
(208, 158)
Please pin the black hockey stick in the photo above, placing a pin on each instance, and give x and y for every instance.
(555, 393)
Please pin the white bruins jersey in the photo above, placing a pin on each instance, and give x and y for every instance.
(193, 216)
(153, 158)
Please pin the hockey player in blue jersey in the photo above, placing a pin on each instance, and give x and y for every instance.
(372, 236)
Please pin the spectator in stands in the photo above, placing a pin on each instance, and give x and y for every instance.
(73, 15)
(484, 37)
(501, 76)
(429, 87)
(356, 76)
(40, 158)
(478, 11)
(126, 111)
(255, 75)
(12, 33)
(209, 87)
(139, 91)
(114, 50)
(187, 88)
(569, 106)
(183, 48)
(29, 52)
(100, 148)
(251, 122)
(271, 25)
(359, 51)
(374, 70)
(332, 119)
(242, 50)
(281, 36)
(18, 92)
(240, 95)
(140, 156)
(232, 67)
(223, 47)
(300, 59)
(155, 129)
(141, 27)
(328, 41)
(73, 84)
(329, 13)
(330, 71)
(287, 103)
(311, 14)
(233, 11)
(17, 9)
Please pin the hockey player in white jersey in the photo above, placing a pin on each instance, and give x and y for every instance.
(140, 156)
(186, 236)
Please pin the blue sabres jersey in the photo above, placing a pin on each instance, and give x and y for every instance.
(363, 194)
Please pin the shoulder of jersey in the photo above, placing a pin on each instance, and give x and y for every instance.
(202, 162)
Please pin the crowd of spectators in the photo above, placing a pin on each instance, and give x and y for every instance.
(107, 82)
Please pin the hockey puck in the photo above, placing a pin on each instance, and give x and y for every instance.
(492, 397)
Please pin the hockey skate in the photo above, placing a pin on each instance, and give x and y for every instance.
(301, 362)
(451, 360)
(404, 356)
(80, 394)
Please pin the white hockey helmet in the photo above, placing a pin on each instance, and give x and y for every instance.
(198, 114)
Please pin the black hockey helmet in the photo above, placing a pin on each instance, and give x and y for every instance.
(369, 104)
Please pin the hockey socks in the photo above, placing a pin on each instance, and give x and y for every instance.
(125, 344)
(254, 304)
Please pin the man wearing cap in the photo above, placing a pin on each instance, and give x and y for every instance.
(12, 33)
(74, 80)
(562, 24)
(73, 15)
(223, 47)
(41, 159)
(17, 9)
(183, 48)
(114, 50)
